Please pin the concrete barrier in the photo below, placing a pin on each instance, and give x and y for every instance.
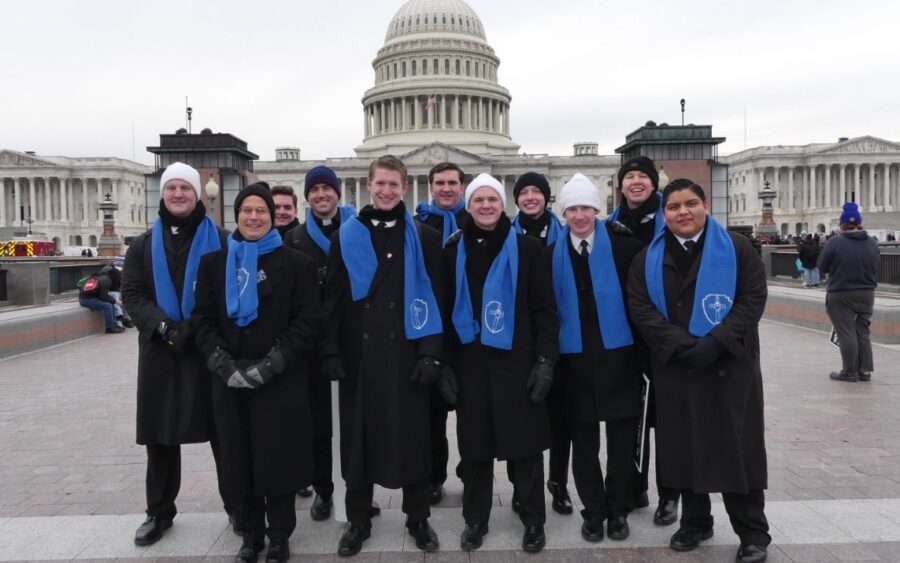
(32, 328)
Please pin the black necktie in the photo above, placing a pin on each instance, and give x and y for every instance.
(383, 225)
(584, 249)
(689, 246)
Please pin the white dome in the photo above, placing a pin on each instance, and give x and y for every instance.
(429, 16)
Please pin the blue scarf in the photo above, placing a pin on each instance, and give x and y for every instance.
(206, 240)
(424, 318)
(498, 299)
(344, 212)
(716, 279)
(658, 222)
(241, 298)
(552, 230)
(423, 210)
(614, 329)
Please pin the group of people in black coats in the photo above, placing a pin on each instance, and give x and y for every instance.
(534, 330)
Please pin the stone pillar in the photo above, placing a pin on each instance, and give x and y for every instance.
(48, 211)
(842, 179)
(857, 177)
(813, 196)
(99, 199)
(416, 112)
(17, 202)
(63, 200)
(32, 204)
(415, 191)
(84, 201)
(886, 193)
(827, 186)
(455, 118)
(791, 205)
(871, 205)
(2, 201)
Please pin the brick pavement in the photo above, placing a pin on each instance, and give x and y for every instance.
(71, 478)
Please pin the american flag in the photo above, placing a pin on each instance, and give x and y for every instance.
(432, 101)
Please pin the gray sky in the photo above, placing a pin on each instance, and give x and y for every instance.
(77, 74)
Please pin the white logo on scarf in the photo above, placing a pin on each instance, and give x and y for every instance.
(716, 306)
(493, 317)
(418, 313)
(243, 276)
(260, 276)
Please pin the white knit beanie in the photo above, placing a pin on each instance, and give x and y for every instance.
(485, 180)
(579, 191)
(181, 171)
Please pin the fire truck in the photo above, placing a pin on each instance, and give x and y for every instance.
(27, 248)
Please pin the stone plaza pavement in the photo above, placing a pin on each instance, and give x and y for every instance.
(71, 477)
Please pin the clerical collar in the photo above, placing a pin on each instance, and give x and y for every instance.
(387, 224)
(694, 238)
(576, 241)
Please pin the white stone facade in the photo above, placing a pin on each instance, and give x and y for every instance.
(61, 195)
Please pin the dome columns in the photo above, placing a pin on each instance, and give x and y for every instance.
(449, 111)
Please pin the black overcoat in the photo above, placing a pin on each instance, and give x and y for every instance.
(265, 433)
(600, 384)
(319, 387)
(495, 417)
(709, 423)
(173, 393)
(385, 418)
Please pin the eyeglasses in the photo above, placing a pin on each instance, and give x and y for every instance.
(253, 210)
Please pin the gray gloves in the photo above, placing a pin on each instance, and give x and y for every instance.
(264, 370)
(541, 379)
(222, 364)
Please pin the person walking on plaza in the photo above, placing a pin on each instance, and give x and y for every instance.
(383, 342)
(257, 318)
(598, 363)
(851, 262)
(173, 384)
(504, 333)
(322, 191)
(697, 294)
(640, 210)
(808, 251)
(447, 214)
(536, 219)
(285, 209)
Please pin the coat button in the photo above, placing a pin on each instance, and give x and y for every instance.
(722, 373)
(391, 305)
(391, 335)
(367, 305)
(678, 303)
(365, 336)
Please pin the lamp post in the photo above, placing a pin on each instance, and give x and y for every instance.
(212, 192)
(767, 227)
(29, 221)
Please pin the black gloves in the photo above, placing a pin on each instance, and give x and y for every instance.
(333, 369)
(703, 354)
(264, 370)
(179, 335)
(448, 386)
(222, 364)
(427, 371)
(540, 379)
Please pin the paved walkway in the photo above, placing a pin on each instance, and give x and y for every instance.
(71, 478)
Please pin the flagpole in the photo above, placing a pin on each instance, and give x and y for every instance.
(340, 487)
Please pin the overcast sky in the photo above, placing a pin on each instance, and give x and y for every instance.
(76, 75)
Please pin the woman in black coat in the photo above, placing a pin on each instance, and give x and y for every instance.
(598, 364)
(256, 332)
(504, 366)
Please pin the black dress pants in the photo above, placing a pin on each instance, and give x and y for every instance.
(560, 436)
(528, 479)
(440, 447)
(415, 505)
(253, 512)
(322, 483)
(746, 512)
(614, 495)
(164, 479)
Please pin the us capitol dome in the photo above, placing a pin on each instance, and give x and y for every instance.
(436, 79)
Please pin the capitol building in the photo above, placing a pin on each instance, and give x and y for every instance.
(436, 97)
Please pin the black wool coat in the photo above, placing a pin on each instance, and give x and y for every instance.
(173, 392)
(495, 417)
(600, 384)
(710, 431)
(385, 418)
(319, 387)
(265, 433)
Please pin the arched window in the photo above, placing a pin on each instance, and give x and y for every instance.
(446, 66)
(414, 67)
(436, 67)
(404, 69)
(457, 67)
(468, 69)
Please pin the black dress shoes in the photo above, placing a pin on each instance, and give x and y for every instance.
(641, 500)
(249, 551)
(279, 551)
(666, 513)
(534, 539)
(749, 553)
(426, 537)
(562, 502)
(684, 540)
(472, 536)
(617, 528)
(151, 530)
(437, 494)
(321, 508)
(305, 493)
(844, 376)
(592, 530)
(353, 538)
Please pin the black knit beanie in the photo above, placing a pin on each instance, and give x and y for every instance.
(532, 179)
(260, 189)
(643, 164)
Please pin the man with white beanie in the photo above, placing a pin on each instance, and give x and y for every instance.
(598, 362)
(503, 340)
(173, 385)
